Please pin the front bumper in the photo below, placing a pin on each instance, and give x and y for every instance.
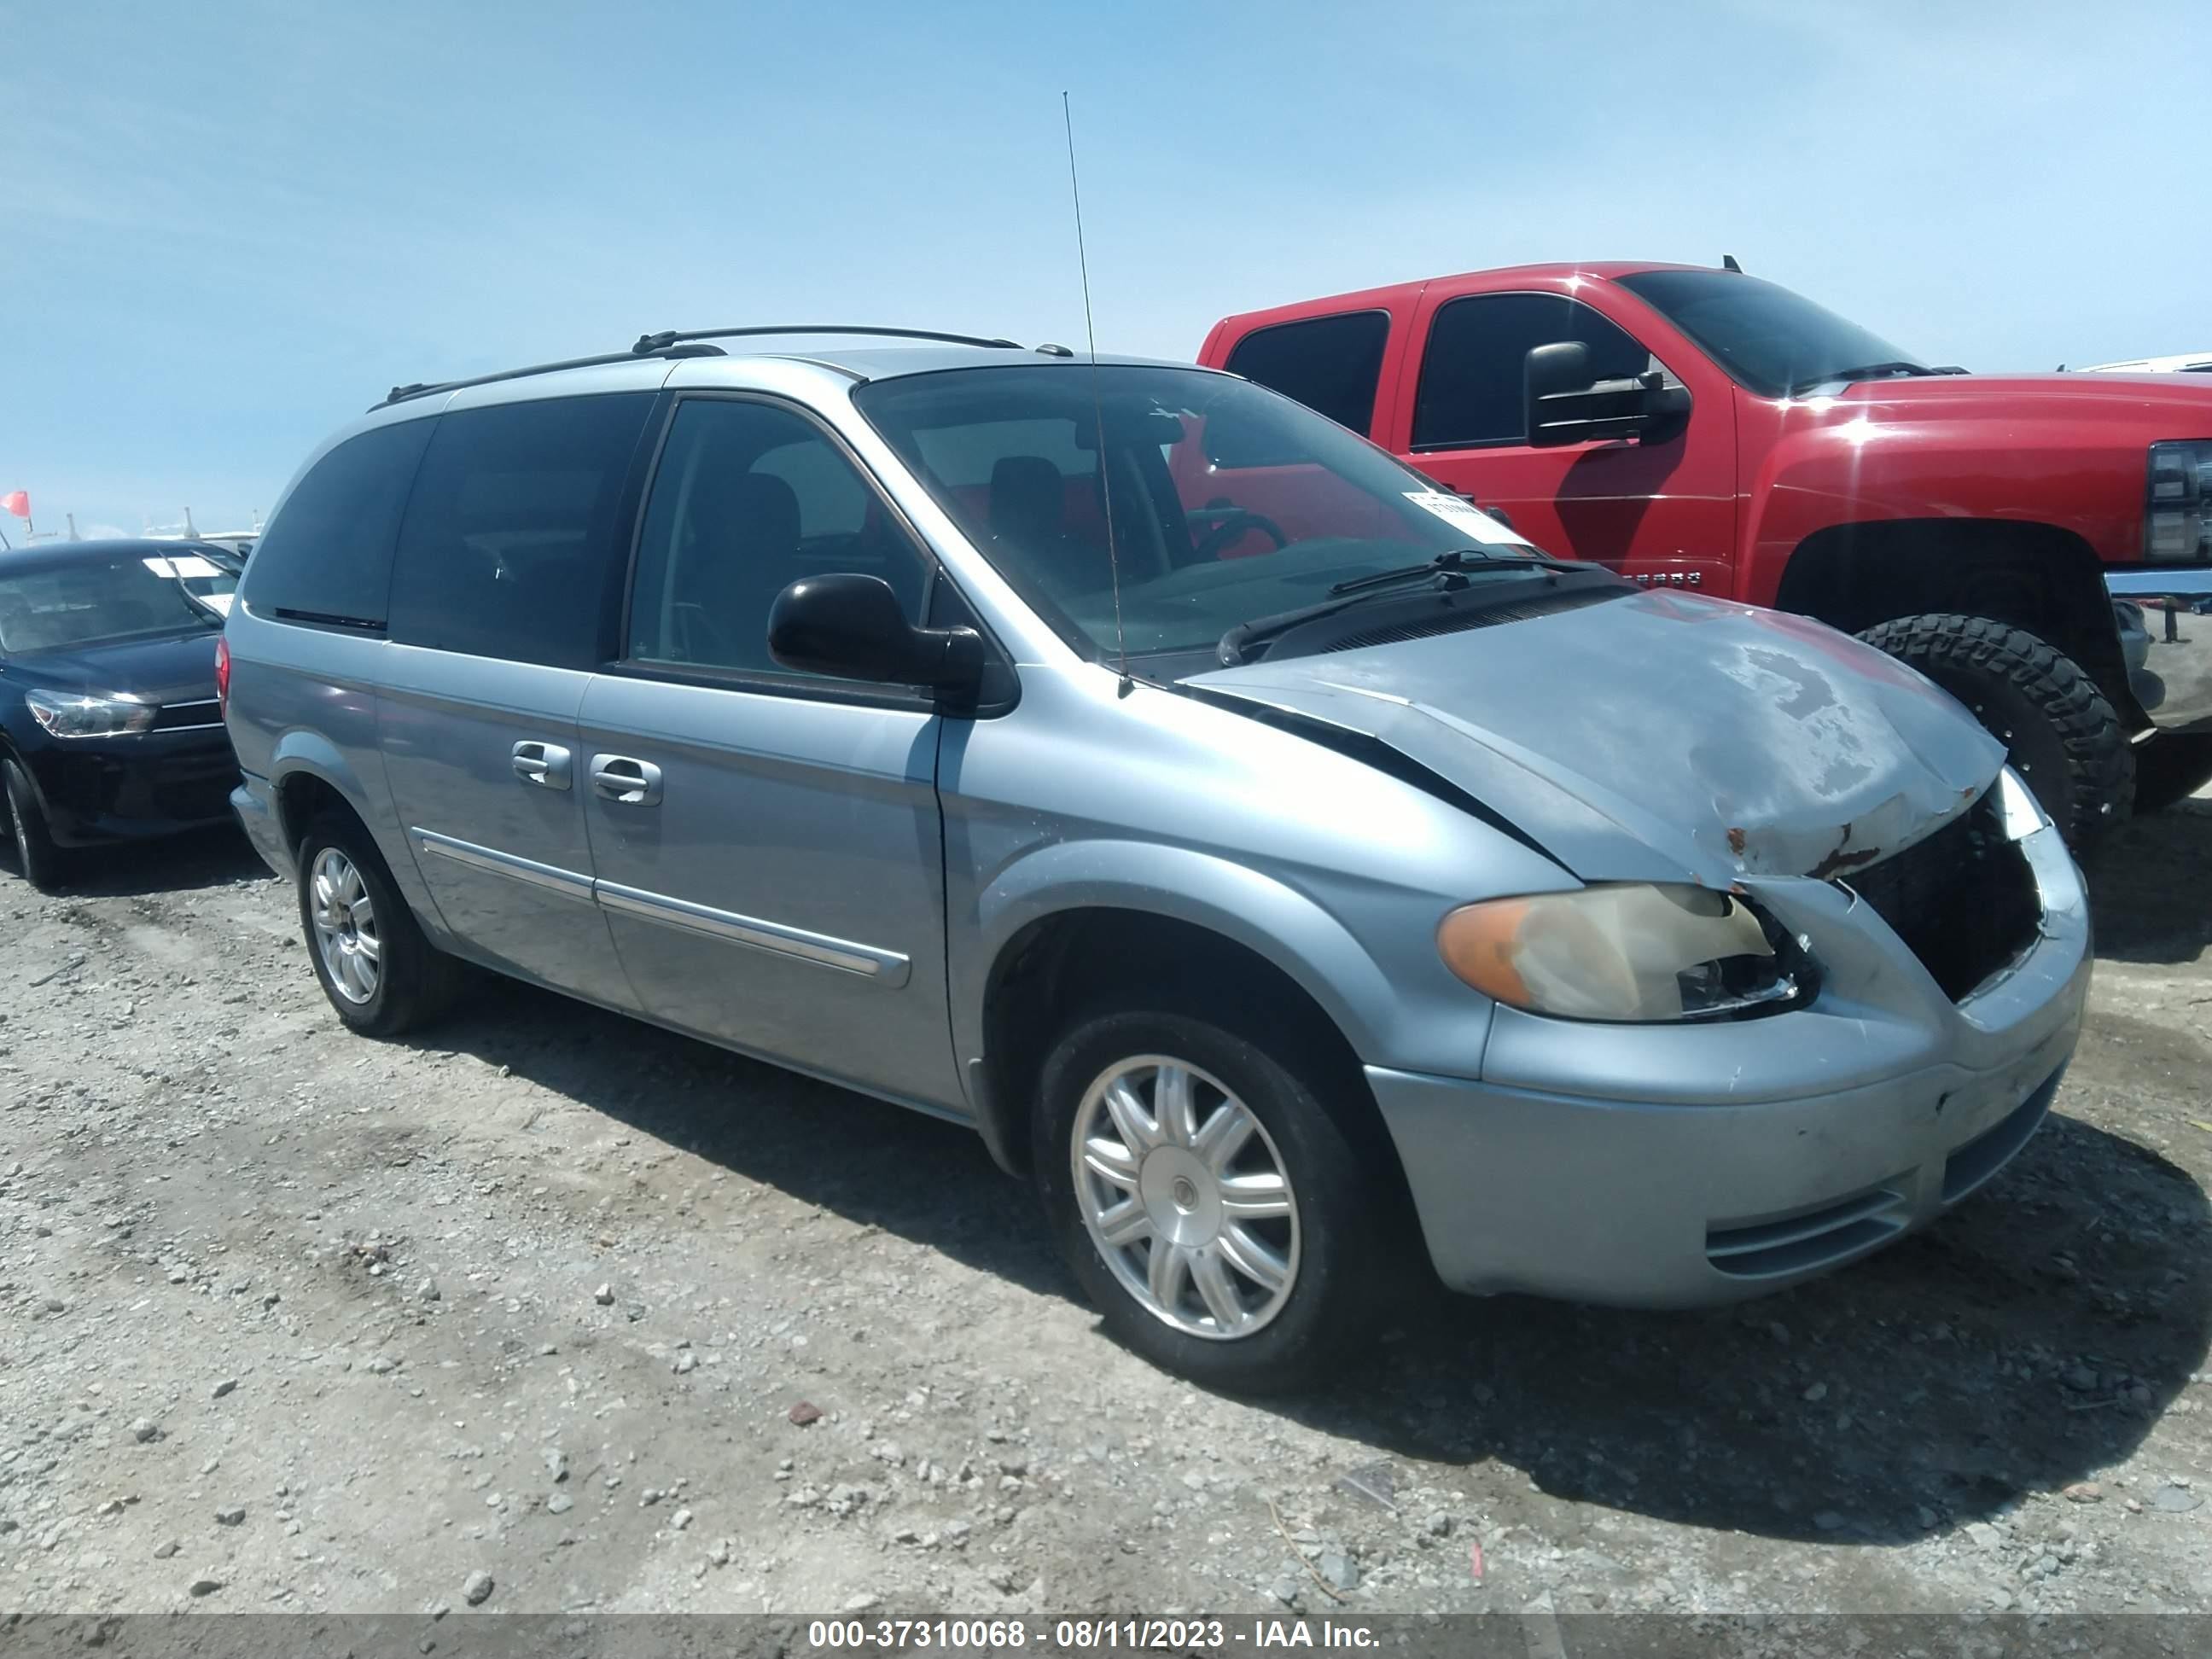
(2165, 619)
(1674, 1166)
(127, 788)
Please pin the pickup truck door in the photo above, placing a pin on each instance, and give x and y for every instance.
(1662, 513)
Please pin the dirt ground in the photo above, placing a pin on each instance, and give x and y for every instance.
(518, 1316)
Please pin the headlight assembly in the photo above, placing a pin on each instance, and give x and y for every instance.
(2177, 508)
(64, 714)
(1625, 952)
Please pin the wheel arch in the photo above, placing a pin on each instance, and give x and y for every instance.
(2039, 577)
(1221, 932)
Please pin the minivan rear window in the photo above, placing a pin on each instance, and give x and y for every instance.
(326, 556)
(512, 545)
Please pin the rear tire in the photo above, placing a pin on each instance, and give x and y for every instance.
(41, 861)
(1307, 1282)
(2060, 733)
(2170, 766)
(369, 953)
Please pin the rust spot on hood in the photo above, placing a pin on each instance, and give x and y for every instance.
(1736, 839)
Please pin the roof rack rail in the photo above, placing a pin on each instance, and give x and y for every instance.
(671, 342)
(661, 342)
(400, 394)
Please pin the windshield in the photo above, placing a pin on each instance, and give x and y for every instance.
(1229, 503)
(1771, 339)
(96, 600)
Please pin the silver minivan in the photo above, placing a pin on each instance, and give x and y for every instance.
(1305, 881)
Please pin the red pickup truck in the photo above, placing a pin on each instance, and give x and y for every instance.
(2040, 545)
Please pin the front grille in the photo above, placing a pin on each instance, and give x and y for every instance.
(172, 716)
(1964, 901)
(1805, 1239)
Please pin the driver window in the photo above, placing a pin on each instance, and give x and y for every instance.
(748, 499)
(1470, 392)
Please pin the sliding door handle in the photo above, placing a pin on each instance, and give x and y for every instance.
(547, 765)
(628, 782)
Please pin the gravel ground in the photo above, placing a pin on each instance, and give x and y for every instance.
(550, 1312)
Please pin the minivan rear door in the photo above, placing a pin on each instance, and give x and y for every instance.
(768, 843)
(507, 575)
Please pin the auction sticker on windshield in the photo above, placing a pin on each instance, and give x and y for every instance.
(1466, 516)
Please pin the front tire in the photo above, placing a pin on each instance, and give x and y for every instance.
(1213, 1207)
(37, 856)
(2059, 731)
(369, 953)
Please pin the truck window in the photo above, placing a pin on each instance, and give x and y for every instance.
(1330, 364)
(1471, 375)
(326, 556)
(514, 539)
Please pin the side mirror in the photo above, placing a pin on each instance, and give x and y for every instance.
(853, 627)
(1563, 405)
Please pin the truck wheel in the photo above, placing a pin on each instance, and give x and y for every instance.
(36, 856)
(2171, 767)
(1215, 1210)
(2061, 734)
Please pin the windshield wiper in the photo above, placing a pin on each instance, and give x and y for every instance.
(1864, 372)
(1448, 572)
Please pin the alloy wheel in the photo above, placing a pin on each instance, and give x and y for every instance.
(345, 926)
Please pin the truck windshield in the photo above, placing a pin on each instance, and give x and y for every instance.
(1230, 502)
(1774, 341)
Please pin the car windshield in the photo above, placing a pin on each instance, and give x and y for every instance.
(1773, 341)
(96, 600)
(1229, 503)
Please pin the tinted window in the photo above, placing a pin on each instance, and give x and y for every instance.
(1773, 341)
(512, 540)
(748, 499)
(1478, 351)
(326, 556)
(1328, 363)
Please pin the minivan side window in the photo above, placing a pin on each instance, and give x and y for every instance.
(512, 542)
(1471, 375)
(1330, 364)
(748, 498)
(326, 556)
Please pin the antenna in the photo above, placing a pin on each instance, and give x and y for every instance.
(1097, 406)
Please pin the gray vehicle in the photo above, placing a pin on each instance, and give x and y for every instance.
(1299, 878)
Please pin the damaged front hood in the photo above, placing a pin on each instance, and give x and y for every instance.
(1659, 737)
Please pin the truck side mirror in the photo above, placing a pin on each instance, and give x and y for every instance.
(1565, 405)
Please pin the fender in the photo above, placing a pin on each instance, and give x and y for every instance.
(1377, 1016)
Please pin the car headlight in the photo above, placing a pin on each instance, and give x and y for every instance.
(64, 716)
(2177, 503)
(1625, 953)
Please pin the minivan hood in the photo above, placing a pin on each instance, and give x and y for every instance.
(1657, 737)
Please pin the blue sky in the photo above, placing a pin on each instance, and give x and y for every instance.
(231, 225)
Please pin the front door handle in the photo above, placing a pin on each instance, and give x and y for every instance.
(630, 782)
(547, 765)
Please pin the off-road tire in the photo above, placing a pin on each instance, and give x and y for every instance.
(2170, 766)
(1343, 1277)
(2062, 734)
(416, 981)
(38, 859)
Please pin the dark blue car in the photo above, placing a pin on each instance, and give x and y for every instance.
(110, 726)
